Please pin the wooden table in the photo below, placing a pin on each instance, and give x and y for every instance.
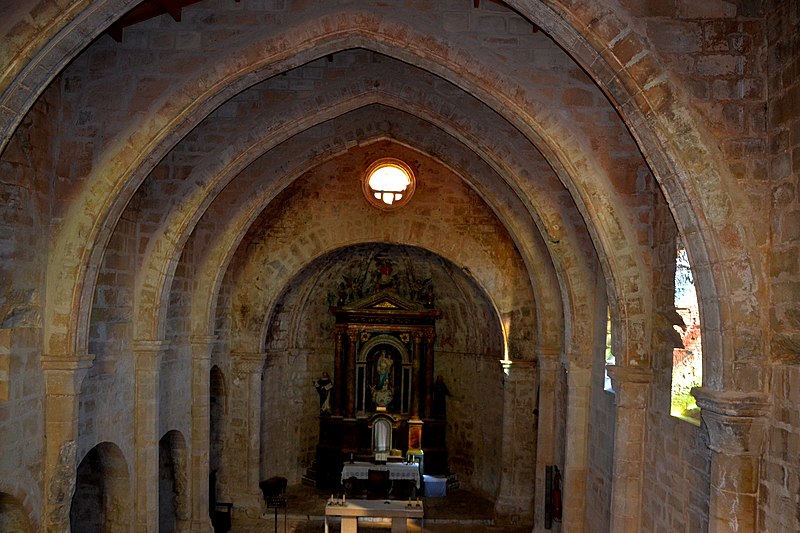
(398, 510)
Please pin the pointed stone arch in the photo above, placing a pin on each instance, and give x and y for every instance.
(13, 515)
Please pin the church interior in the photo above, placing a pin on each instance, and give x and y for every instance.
(542, 252)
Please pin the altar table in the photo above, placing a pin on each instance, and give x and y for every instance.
(403, 471)
(398, 510)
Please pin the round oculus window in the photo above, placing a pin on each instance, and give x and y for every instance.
(389, 183)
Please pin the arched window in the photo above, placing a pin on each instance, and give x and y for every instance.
(610, 359)
(389, 183)
(687, 360)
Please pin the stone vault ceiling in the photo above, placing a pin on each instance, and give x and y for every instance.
(310, 96)
(186, 131)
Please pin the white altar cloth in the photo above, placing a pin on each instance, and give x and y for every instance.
(403, 471)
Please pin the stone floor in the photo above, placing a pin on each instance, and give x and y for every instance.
(461, 511)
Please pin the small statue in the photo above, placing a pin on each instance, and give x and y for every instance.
(440, 393)
(324, 385)
(384, 365)
(382, 391)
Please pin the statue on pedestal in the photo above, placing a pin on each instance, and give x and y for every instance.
(324, 385)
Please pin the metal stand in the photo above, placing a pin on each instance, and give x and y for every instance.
(276, 503)
(274, 492)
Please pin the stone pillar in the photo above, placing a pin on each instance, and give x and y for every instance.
(63, 375)
(519, 442)
(576, 454)
(632, 388)
(147, 362)
(736, 424)
(549, 367)
(243, 460)
(201, 418)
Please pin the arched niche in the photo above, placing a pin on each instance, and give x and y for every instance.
(173, 498)
(102, 500)
(13, 516)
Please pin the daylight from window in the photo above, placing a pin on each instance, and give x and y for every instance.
(687, 361)
(610, 359)
(388, 183)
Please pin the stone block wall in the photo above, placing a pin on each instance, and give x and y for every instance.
(106, 410)
(22, 420)
(111, 329)
(475, 418)
(290, 424)
(106, 406)
(24, 209)
(677, 458)
(784, 127)
(601, 446)
(175, 391)
(718, 52)
(299, 348)
(779, 483)
(677, 472)
(26, 204)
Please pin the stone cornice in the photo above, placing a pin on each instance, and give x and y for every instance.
(548, 357)
(64, 374)
(248, 362)
(629, 374)
(149, 345)
(201, 339)
(66, 362)
(552, 352)
(631, 385)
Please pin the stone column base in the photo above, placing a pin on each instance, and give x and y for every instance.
(250, 506)
(513, 511)
(200, 525)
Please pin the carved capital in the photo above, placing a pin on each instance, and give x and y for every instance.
(631, 385)
(149, 346)
(147, 354)
(66, 362)
(63, 374)
(248, 362)
(201, 348)
(578, 376)
(202, 340)
(520, 372)
(629, 374)
(547, 355)
(549, 367)
(736, 421)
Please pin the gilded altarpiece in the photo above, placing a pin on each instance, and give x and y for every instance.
(383, 368)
